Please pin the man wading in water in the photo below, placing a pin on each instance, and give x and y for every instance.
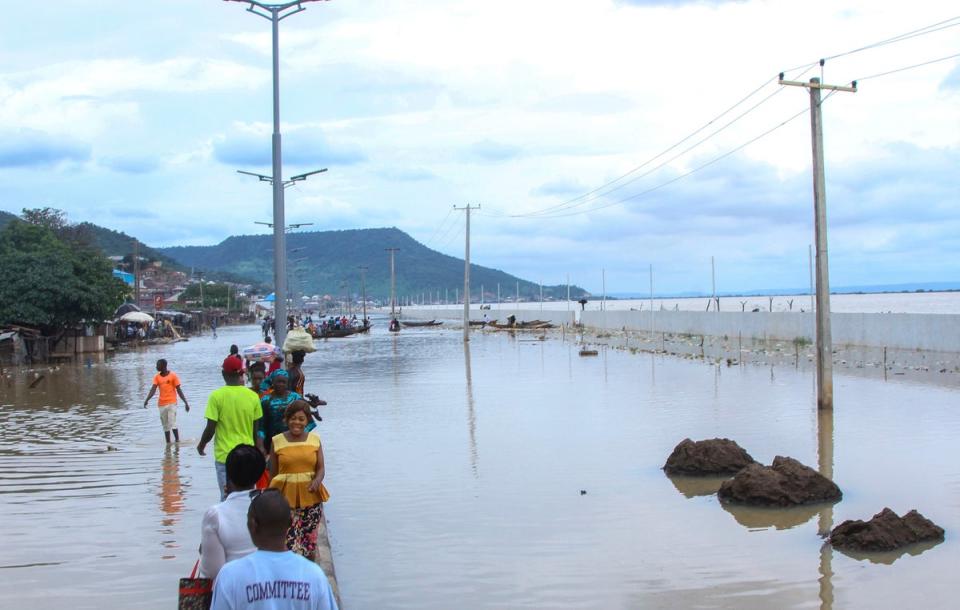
(169, 385)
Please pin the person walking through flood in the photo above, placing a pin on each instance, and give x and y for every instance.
(272, 577)
(224, 536)
(297, 470)
(233, 414)
(169, 385)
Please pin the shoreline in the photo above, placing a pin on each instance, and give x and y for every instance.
(922, 366)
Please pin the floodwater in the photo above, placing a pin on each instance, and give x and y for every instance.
(884, 302)
(512, 474)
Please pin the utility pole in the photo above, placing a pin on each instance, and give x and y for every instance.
(275, 13)
(568, 292)
(713, 283)
(393, 280)
(603, 283)
(518, 293)
(651, 301)
(541, 295)
(813, 305)
(466, 274)
(824, 338)
(136, 272)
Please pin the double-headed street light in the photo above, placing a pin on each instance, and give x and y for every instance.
(275, 13)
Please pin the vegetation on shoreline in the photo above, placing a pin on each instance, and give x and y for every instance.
(53, 276)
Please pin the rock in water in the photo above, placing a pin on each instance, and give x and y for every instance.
(885, 532)
(786, 482)
(709, 457)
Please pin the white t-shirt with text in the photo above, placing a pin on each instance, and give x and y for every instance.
(267, 580)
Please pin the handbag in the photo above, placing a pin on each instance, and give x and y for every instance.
(195, 593)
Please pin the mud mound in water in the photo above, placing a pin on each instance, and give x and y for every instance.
(709, 457)
(786, 482)
(885, 532)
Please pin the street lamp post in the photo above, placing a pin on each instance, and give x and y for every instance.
(275, 13)
(287, 229)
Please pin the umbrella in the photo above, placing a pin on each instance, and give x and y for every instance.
(261, 352)
(136, 316)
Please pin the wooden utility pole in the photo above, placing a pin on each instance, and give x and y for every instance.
(824, 339)
(466, 274)
(136, 272)
(393, 281)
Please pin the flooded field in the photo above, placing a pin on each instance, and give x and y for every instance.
(512, 474)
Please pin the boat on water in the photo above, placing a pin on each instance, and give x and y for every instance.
(480, 322)
(513, 324)
(336, 333)
(419, 323)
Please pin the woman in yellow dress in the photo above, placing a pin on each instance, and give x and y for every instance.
(296, 463)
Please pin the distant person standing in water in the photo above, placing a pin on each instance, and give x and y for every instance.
(169, 385)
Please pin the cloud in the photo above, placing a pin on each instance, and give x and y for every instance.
(562, 187)
(952, 80)
(130, 164)
(30, 148)
(675, 3)
(490, 151)
(587, 103)
(410, 174)
(251, 147)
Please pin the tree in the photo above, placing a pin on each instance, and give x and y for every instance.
(51, 283)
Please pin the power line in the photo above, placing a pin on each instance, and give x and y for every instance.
(929, 29)
(571, 203)
(692, 171)
(671, 159)
(439, 226)
(567, 203)
(903, 69)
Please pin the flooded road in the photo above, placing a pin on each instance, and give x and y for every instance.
(458, 476)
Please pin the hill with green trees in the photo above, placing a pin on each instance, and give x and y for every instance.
(117, 243)
(328, 262)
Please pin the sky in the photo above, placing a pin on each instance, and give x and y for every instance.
(594, 135)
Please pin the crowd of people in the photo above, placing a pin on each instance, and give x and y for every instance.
(258, 544)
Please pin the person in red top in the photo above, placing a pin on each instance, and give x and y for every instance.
(169, 385)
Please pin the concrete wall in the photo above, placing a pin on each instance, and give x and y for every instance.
(934, 332)
(500, 315)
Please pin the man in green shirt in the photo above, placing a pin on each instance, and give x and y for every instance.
(233, 416)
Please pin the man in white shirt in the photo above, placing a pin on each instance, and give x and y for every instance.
(272, 578)
(223, 532)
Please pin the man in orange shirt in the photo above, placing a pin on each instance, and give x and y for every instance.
(169, 385)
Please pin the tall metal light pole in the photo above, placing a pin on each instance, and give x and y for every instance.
(466, 274)
(275, 13)
(363, 291)
(393, 281)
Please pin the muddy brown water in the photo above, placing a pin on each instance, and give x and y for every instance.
(456, 479)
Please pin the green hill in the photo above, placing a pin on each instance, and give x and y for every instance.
(331, 260)
(6, 217)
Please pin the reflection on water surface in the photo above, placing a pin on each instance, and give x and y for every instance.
(456, 472)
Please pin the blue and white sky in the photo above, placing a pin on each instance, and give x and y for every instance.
(136, 115)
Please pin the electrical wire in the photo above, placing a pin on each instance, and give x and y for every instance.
(568, 202)
(929, 29)
(671, 159)
(905, 68)
(437, 230)
(695, 169)
(587, 197)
